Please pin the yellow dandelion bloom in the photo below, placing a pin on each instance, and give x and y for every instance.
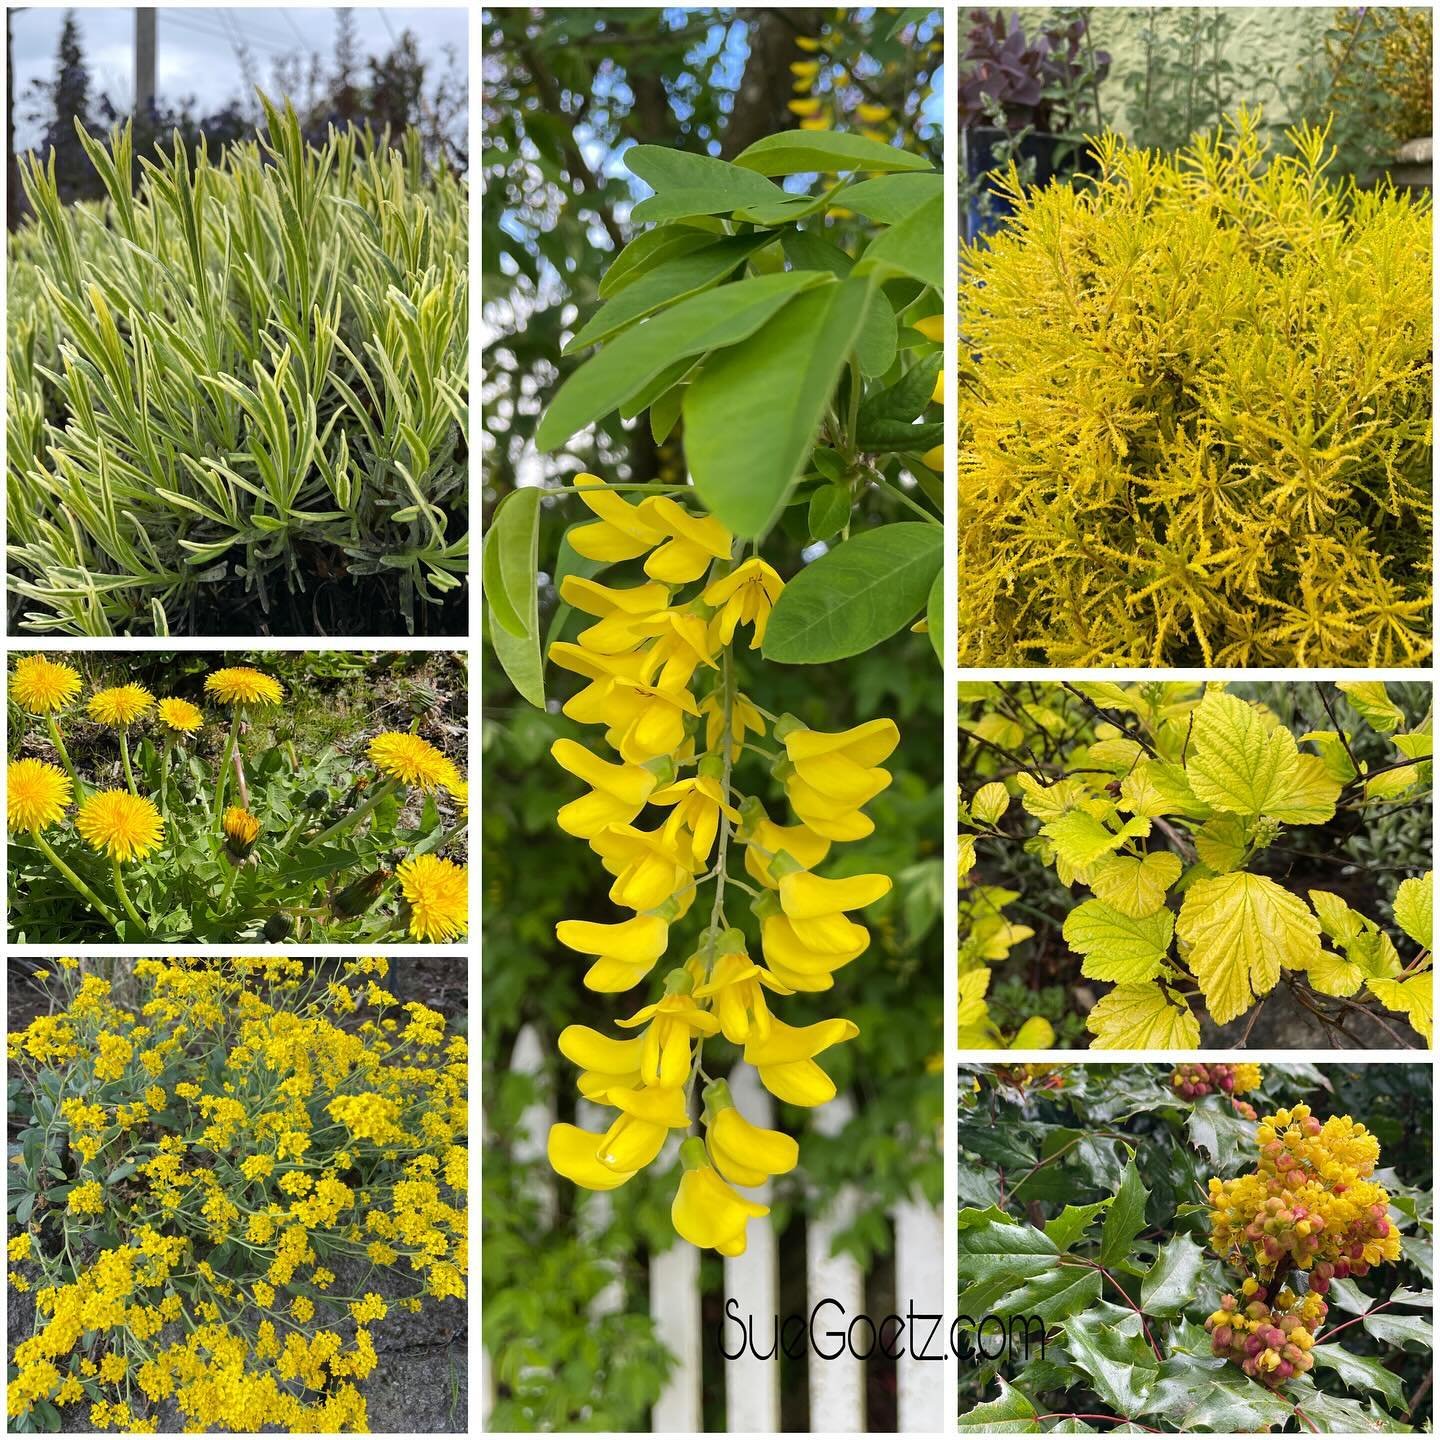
(438, 892)
(460, 793)
(180, 716)
(120, 705)
(407, 757)
(241, 829)
(239, 685)
(36, 794)
(121, 825)
(40, 685)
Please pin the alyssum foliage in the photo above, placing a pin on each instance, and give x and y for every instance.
(260, 846)
(212, 1189)
(1081, 1186)
(241, 368)
(1195, 425)
(1159, 789)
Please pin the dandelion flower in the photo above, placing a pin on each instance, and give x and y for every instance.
(123, 826)
(241, 829)
(415, 761)
(179, 716)
(239, 685)
(438, 892)
(36, 794)
(120, 705)
(41, 686)
(460, 794)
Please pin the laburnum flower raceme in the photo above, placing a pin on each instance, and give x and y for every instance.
(664, 813)
(1308, 1207)
(263, 1161)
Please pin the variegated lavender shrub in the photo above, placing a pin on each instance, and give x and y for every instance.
(237, 391)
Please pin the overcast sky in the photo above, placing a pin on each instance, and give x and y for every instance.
(196, 48)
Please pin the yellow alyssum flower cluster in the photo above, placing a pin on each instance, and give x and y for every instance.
(260, 1335)
(662, 682)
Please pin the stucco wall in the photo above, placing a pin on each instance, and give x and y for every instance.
(1266, 46)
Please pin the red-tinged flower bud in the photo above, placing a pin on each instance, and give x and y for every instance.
(1284, 1370)
(1222, 1338)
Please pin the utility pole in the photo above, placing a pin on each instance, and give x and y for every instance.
(144, 59)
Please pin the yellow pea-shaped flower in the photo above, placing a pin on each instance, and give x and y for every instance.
(785, 1059)
(572, 1152)
(706, 1211)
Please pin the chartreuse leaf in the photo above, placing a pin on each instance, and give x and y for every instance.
(1010, 1413)
(689, 184)
(1312, 794)
(1106, 694)
(891, 198)
(1125, 1218)
(708, 321)
(1372, 703)
(1222, 842)
(1141, 1017)
(1160, 787)
(1135, 885)
(1116, 946)
(1172, 1281)
(1240, 760)
(668, 282)
(990, 803)
(1080, 839)
(1413, 998)
(856, 595)
(800, 152)
(1240, 929)
(753, 414)
(1107, 1343)
(915, 247)
(1414, 908)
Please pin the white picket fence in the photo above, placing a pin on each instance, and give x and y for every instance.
(752, 1385)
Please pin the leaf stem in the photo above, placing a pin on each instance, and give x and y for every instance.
(345, 821)
(217, 808)
(65, 759)
(124, 895)
(125, 760)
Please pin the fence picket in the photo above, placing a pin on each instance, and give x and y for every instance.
(752, 1385)
(837, 1387)
(675, 1309)
(919, 1273)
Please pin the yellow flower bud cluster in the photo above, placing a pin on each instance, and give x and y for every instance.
(1269, 1341)
(1309, 1203)
(662, 681)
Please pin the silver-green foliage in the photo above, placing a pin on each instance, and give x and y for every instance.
(242, 367)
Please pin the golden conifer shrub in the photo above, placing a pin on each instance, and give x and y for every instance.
(1195, 415)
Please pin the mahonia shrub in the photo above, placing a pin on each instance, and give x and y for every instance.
(239, 390)
(216, 1180)
(1095, 1292)
(1195, 418)
(248, 843)
(805, 382)
(1169, 807)
(1308, 1206)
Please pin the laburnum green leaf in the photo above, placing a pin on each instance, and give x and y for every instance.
(1372, 703)
(1135, 885)
(1240, 928)
(1118, 947)
(1221, 842)
(1141, 1017)
(1080, 839)
(1414, 908)
(990, 802)
(1412, 997)
(1240, 761)
(798, 152)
